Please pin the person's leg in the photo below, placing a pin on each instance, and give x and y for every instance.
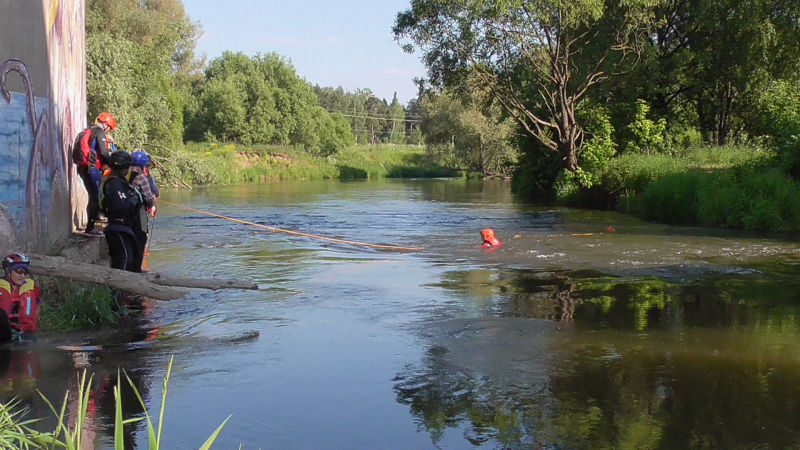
(91, 204)
(94, 192)
(134, 262)
(141, 243)
(117, 249)
(5, 327)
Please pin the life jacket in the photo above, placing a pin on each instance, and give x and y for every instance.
(489, 240)
(122, 204)
(22, 306)
(84, 149)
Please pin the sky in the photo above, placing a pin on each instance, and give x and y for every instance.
(347, 43)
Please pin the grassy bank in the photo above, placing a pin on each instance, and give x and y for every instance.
(71, 305)
(204, 163)
(729, 187)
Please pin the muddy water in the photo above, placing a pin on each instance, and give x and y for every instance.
(572, 334)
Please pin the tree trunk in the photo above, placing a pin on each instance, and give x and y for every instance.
(153, 285)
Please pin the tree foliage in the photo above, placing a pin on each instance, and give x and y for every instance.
(140, 55)
(262, 100)
(465, 136)
(538, 58)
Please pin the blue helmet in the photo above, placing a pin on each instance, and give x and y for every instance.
(140, 158)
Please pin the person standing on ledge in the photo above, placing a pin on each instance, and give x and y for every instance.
(90, 153)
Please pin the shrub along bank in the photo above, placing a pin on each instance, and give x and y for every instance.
(727, 187)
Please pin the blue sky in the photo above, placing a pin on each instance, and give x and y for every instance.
(345, 43)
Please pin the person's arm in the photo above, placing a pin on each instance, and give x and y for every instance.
(101, 145)
(141, 184)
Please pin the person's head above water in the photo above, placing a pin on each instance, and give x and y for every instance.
(489, 239)
(16, 267)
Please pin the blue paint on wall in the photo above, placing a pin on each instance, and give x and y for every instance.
(16, 148)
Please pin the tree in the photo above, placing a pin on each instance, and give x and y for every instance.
(139, 65)
(376, 118)
(397, 118)
(538, 58)
(461, 135)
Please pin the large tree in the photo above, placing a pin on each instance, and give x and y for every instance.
(139, 59)
(539, 58)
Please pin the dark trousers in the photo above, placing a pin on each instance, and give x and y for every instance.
(5, 327)
(124, 250)
(141, 241)
(92, 206)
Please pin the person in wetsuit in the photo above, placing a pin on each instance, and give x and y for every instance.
(127, 218)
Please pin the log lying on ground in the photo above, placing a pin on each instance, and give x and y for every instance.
(151, 285)
(201, 283)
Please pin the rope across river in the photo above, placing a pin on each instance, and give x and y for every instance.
(296, 233)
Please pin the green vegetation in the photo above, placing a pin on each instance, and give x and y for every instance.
(16, 431)
(232, 164)
(595, 103)
(71, 305)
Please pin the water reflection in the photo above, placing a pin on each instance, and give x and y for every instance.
(580, 359)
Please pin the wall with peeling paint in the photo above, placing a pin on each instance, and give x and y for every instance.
(42, 107)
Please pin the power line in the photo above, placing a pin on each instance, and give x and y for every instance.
(372, 117)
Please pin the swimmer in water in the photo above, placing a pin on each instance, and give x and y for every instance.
(489, 240)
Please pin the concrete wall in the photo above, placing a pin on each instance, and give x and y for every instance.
(42, 106)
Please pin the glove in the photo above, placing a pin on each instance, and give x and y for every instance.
(151, 211)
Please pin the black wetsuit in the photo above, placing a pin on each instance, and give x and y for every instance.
(124, 208)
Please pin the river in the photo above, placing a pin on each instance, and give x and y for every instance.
(586, 329)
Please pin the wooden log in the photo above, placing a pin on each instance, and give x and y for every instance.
(201, 283)
(56, 266)
(154, 285)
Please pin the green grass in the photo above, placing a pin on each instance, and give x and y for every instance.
(16, 431)
(211, 163)
(70, 305)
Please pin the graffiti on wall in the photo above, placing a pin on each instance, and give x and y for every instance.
(33, 165)
(36, 129)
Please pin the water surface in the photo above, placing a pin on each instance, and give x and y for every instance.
(569, 336)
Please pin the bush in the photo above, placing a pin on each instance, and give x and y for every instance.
(751, 199)
(70, 305)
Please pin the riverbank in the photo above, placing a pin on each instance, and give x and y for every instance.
(736, 187)
(211, 163)
(72, 305)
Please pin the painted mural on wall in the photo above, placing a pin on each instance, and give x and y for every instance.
(36, 129)
(65, 30)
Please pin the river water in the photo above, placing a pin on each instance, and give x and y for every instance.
(586, 329)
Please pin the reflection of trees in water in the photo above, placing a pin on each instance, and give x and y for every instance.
(553, 299)
(710, 364)
(441, 397)
(615, 392)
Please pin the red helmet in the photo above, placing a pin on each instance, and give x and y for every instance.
(108, 119)
(15, 261)
(487, 234)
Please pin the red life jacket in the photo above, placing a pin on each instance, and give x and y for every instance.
(84, 151)
(21, 305)
(492, 242)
